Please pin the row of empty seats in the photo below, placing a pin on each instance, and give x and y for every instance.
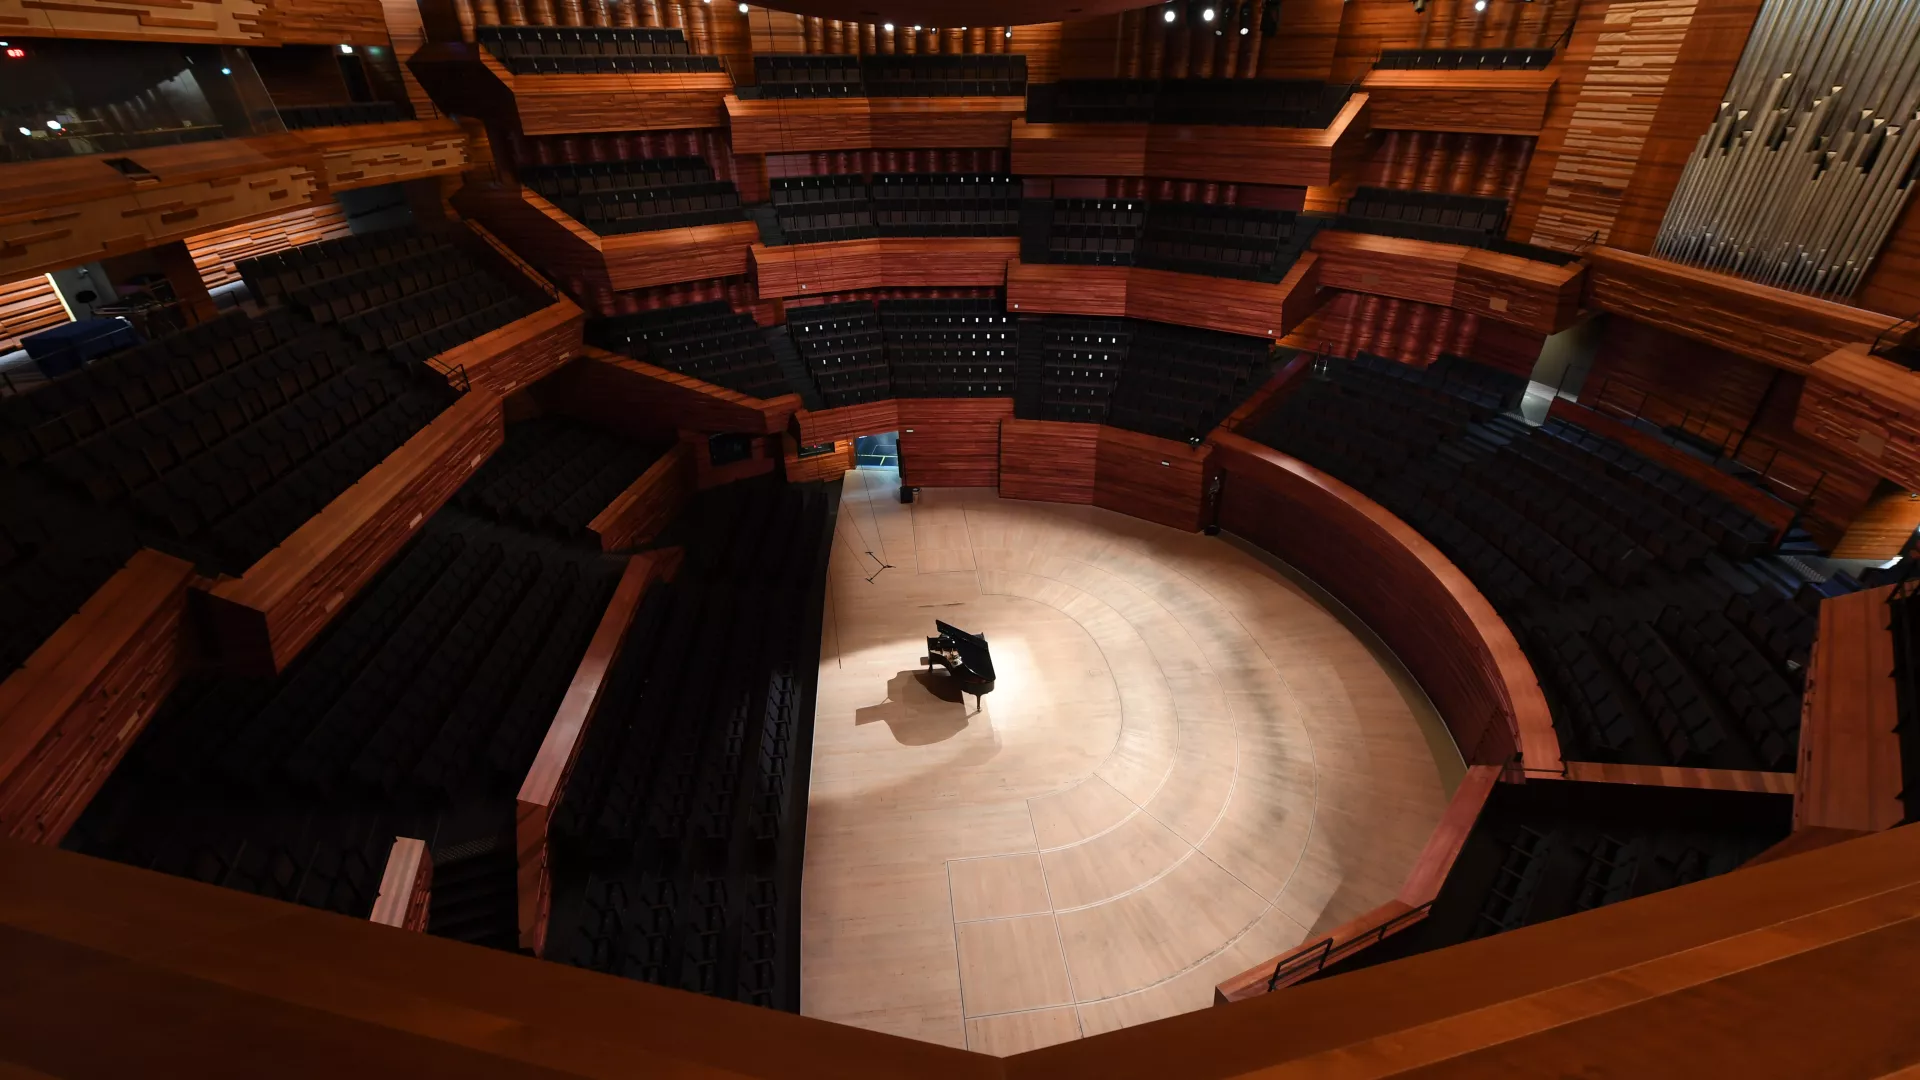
(1249, 243)
(1473, 220)
(590, 50)
(677, 843)
(1202, 101)
(641, 195)
(1173, 382)
(789, 75)
(708, 341)
(1632, 590)
(554, 475)
(818, 209)
(1464, 59)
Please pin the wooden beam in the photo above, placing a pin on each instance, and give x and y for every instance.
(1468, 100)
(649, 504)
(406, 886)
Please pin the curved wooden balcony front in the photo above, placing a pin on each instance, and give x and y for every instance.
(466, 79)
(790, 125)
(1539, 296)
(882, 262)
(1257, 308)
(1470, 100)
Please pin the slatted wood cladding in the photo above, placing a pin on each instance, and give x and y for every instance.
(234, 22)
(28, 306)
(216, 252)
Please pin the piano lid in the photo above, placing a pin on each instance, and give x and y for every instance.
(971, 647)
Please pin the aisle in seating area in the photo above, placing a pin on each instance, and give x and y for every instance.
(1188, 763)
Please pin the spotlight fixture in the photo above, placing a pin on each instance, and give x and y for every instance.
(1207, 15)
(27, 131)
(1479, 5)
(226, 71)
(53, 125)
(347, 50)
(1169, 14)
(1244, 31)
(888, 27)
(1009, 31)
(744, 9)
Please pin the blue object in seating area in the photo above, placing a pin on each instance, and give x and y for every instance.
(65, 348)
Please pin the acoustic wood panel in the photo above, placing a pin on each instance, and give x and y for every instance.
(467, 80)
(1776, 514)
(649, 504)
(1422, 886)
(216, 252)
(1048, 460)
(1614, 772)
(1419, 603)
(951, 442)
(72, 709)
(68, 211)
(1774, 326)
(1536, 295)
(28, 306)
(885, 262)
(653, 404)
(546, 781)
(1294, 157)
(792, 125)
(827, 466)
(1882, 528)
(233, 22)
(1230, 305)
(1633, 59)
(1157, 479)
(1849, 770)
(1893, 285)
(522, 352)
(1471, 100)
(1866, 410)
(263, 618)
(367, 155)
(1573, 60)
(583, 260)
(818, 427)
(406, 886)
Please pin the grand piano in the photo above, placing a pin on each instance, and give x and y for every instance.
(965, 656)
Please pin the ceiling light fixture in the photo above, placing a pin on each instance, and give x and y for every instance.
(888, 27)
(27, 131)
(1479, 5)
(743, 9)
(346, 49)
(1207, 15)
(1168, 15)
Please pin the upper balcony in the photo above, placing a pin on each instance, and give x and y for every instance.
(1478, 91)
(807, 103)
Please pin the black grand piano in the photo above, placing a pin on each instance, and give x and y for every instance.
(965, 657)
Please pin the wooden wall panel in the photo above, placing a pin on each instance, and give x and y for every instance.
(1157, 479)
(367, 155)
(1474, 101)
(70, 712)
(653, 404)
(28, 306)
(794, 270)
(1785, 329)
(1536, 295)
(263, 618)
(1079, 149)
(1849, 773)
(1419, 603)
(951, 442)
(1448, 162)
(1368, 26)
(546, 779)
(1634, 57)
(215, 252)
(846, 421)
(233, 22)
(648, 505)
(1048, 460)
(406, 886)
(829, 466)
(1292, 157)
(1254, 308)
(1573, 60)
(1893, 285)
(467, 80)
(1716, 36)
(1867, 410)
(522, 352)
(69, 211)
(793, 125)
(1882, 528)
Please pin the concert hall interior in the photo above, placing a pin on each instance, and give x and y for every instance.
(976, 539)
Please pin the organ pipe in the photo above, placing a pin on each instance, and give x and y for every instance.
(1814, 153)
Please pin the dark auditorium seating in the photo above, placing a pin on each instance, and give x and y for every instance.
(1473, 220)
(415, 714)
(818, 209)
(554, 475)
(1464, 59)
(642, 195)
(1173, 382)
(677, 842)
(1249, 243)
(1205, 101)
(843, 350)
(945, 204)
(792, 75)
(1102, 232)
(590, 50)
(344, 114)
(1082, 358)
(950, 348)
(412, 293)
(217, 443)
(1633, 592)
(707, 341)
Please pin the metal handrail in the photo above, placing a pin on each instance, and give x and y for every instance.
(1314, 958)
(1902, 332)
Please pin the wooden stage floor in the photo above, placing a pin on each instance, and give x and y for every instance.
(1187, 765)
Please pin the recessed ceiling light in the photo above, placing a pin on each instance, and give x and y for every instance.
(888, 27)
(346, 48)
(1167, 15)
(1207, 15)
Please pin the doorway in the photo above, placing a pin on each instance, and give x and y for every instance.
(880, 451)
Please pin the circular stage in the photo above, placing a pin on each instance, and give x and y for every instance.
(1188, 763)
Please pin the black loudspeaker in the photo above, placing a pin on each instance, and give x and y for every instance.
(906, 493)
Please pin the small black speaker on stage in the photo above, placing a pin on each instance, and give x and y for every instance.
(906, 493)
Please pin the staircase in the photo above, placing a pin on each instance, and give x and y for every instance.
(1032, 364)
(794, 369)
(768, 223)
(475, 894)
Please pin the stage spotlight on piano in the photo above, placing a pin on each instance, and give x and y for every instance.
(965, 657)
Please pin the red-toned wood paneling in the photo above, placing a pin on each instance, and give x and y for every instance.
(882, 262)
(233, 22)
(467, 80)
(216, 251)
(546, 779)
(1470, 100)
(1449, 162)
(649, 504)
(829, 466)
(522, 352)
(791, 125)
(1047, 460)
(1419, 603)
(406, 886)
(847, 421)
(366, 155)
(1893, 284)
(1849, 770)
(70, 712)
(1157, 479)
(951, 442)
(653, 404)
(1539, 296)
(1866, 410)
(263, 618)
(1255, 308)
(28, 306)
